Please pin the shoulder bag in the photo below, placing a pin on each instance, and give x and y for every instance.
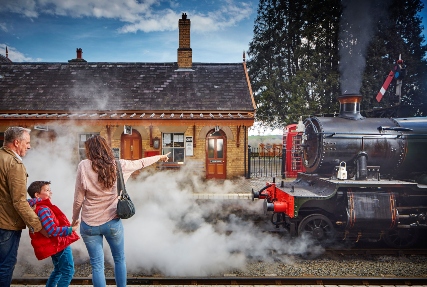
(125, 207)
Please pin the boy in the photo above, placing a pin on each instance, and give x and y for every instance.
(61, 234)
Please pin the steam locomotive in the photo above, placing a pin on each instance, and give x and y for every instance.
(365, 178)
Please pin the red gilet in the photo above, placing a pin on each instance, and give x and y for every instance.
(48, 246)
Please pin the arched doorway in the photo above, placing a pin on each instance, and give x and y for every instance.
(131, 145)
(216, 154)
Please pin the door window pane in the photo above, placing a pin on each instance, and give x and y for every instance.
(211, 148)
(219, 148)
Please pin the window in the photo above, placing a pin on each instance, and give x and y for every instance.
(82, 139)
(174, 143)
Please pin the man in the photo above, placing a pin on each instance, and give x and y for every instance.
(15, 212)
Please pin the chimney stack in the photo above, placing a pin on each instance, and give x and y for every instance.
(79, 57)
(185, 53)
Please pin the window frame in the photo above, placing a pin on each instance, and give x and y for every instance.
(174, 143)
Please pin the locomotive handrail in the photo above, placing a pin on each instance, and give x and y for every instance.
(329, 134)
(397, 129)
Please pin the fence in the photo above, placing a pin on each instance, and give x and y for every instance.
(265, 161)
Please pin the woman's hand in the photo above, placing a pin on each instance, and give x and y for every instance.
(165, 157)
(75, 225)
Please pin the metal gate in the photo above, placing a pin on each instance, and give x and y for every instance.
(266, 161)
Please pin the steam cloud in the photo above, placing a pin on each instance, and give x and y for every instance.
(171, 232)
(356, 30)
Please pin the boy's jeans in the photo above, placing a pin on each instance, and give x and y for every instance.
(93, 239)
(9, 243)
(64, 269)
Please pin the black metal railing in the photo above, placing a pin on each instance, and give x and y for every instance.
(265, 162)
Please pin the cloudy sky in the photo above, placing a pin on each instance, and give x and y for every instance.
(124, 30)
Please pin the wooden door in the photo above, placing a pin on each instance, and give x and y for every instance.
(216, 155)
(131, 146)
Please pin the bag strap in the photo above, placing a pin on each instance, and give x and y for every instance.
(120, 182)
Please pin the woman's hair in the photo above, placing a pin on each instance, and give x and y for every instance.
(103, 161)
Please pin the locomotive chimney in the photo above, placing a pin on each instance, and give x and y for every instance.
(350, 106)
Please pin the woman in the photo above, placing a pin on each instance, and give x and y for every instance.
(96, 197)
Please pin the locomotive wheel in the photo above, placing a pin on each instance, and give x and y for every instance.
(401, 238)
(318, 227)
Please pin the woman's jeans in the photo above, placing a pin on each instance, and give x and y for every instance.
(93, 239)
(63, 269)
(9, 243)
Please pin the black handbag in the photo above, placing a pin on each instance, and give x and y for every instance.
(125, 207)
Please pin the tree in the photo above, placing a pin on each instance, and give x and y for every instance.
(293, 59)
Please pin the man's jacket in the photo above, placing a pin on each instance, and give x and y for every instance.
(15, 212)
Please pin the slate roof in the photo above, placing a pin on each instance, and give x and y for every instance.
(4, 59)
(71, 87)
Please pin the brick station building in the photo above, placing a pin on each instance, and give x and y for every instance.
(199, 112)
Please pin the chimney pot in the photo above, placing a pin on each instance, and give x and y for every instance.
(350, 106)
(79, 58)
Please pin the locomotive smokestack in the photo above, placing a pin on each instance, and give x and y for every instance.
(350, 106)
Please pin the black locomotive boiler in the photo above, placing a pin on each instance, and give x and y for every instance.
(365, 178)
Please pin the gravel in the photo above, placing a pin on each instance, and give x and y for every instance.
(324, 266)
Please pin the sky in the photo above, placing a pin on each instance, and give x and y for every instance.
(128, 30)
(124, 30)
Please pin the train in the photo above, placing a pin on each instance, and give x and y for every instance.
(363, 179)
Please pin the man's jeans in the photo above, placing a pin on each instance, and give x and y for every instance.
(9, 243)
(64, 269)
(93, 239)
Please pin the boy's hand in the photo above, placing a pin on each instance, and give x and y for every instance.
(44, 232)
(75, 225)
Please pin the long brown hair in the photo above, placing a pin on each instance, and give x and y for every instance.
(103, 161)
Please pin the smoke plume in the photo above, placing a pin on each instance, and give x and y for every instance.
(356, 30)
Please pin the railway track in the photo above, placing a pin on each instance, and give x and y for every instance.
(242, 281)
(307, 276)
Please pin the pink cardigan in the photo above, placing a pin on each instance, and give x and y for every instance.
(97, 204)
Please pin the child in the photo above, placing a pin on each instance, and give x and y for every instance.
(61, 234)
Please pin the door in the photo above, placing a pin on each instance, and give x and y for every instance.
(216, 154)
(131, 146)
